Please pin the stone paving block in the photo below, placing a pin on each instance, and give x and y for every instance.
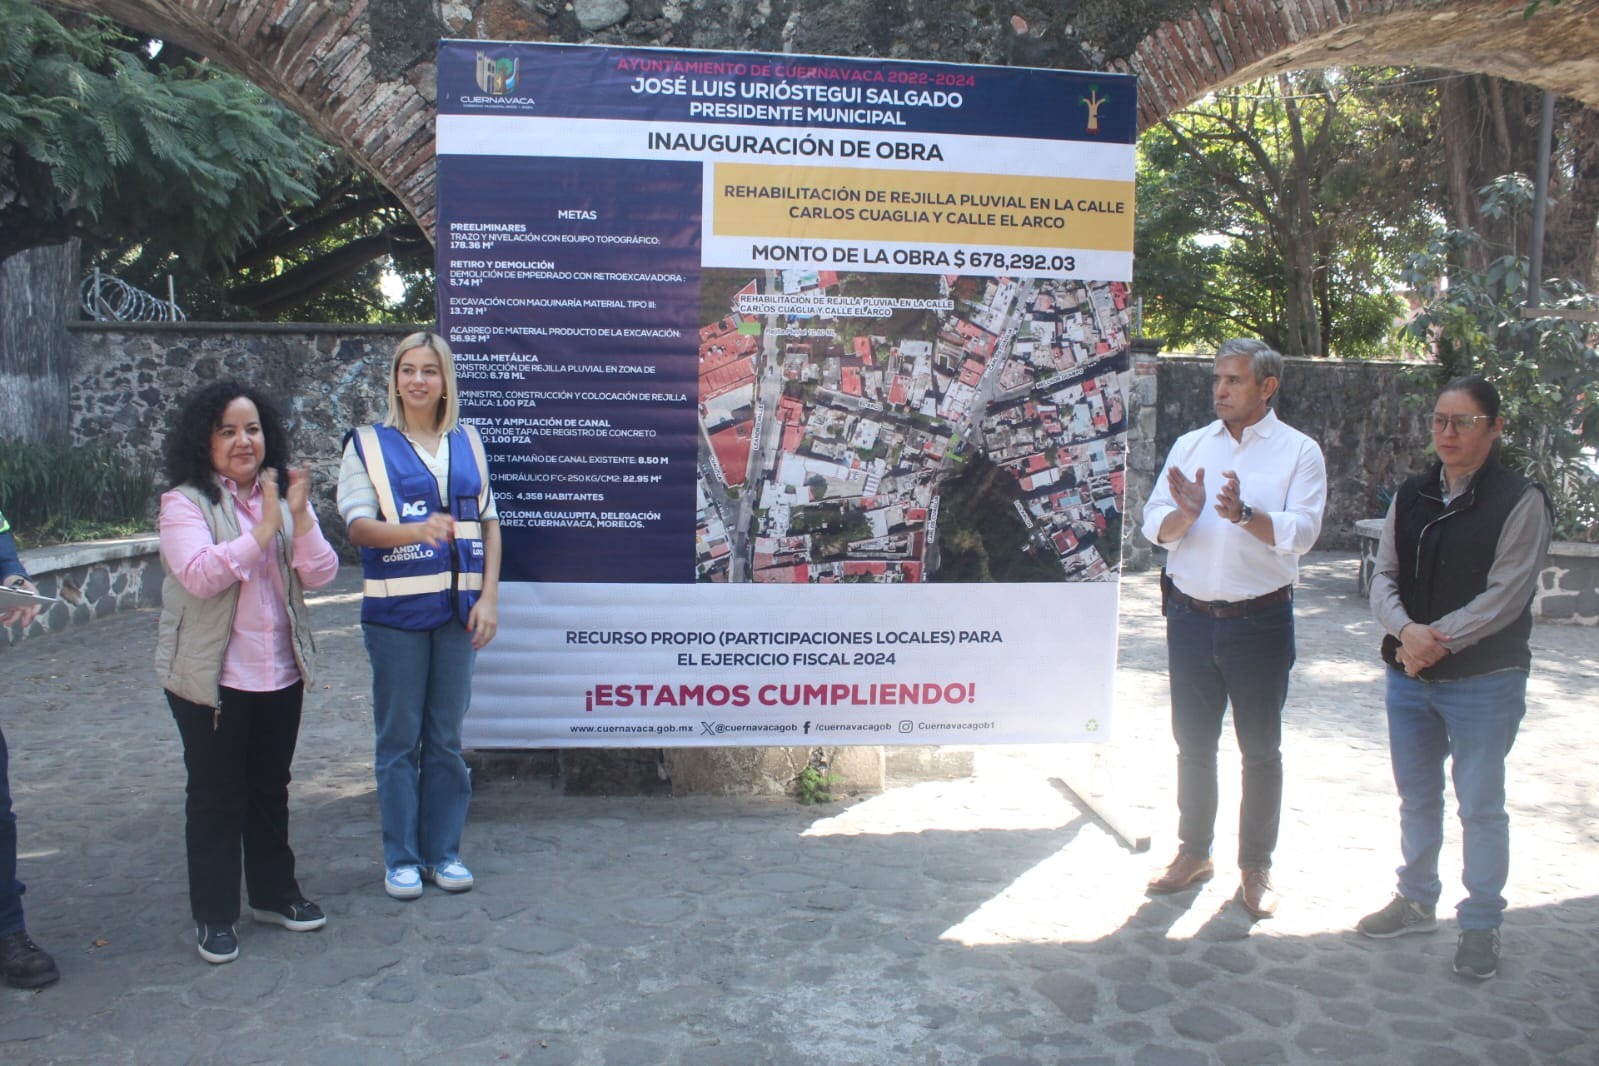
(1076, 997)
(1154, 1055)
(1252, 1053)
(1339, 1043)
(1205, 1024)
(1501, 1054)
(1135, 998)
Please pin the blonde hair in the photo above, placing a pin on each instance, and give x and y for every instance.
(449, 403)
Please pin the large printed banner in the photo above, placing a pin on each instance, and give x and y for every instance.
(803, 382)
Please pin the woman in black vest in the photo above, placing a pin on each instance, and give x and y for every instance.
(1456, 568)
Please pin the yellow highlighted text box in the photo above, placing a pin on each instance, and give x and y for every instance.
(842, 203)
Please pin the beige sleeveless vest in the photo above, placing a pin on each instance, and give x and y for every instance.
(194, 632)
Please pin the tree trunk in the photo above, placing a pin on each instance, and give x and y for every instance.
(1571, 248)
(1489, 128)
(1297, 208)
(36, 297)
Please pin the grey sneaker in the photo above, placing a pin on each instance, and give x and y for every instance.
(1477, 954)
(1401, 916)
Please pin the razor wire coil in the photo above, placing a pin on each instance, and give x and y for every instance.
(110, 299)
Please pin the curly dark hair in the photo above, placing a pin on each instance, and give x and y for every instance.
(188, 443)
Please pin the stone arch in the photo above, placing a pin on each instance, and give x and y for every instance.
(362, 71)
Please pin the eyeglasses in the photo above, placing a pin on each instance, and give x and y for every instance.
(1462, 423)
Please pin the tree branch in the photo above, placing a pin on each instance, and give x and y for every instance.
(288, 236)
(302, 282)
(1249, 194)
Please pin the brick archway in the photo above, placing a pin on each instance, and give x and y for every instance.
(362, 70)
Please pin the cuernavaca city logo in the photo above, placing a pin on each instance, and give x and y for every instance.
(1093, 101)
(496, 76)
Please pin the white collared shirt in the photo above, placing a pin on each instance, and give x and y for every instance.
(1281, 473)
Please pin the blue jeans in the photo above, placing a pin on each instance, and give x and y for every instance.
(1244, 662)
(421, 686)
(1472, 722)
(10, 888)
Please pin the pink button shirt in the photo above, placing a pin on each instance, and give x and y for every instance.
(259, 657)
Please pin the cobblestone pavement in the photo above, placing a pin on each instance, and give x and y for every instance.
(989, 919)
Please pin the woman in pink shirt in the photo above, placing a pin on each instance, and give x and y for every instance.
(240, 543)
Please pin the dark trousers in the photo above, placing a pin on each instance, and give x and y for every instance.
(10, 887)
(238, 760)
(1243, 662)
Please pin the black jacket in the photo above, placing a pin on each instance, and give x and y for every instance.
(1445, 553)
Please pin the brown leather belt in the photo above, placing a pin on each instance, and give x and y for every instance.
(1222, 609)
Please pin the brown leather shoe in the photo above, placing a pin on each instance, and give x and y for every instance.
(1185, 871)
(1256, 893)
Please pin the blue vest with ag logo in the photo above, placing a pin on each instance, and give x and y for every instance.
(418, 586)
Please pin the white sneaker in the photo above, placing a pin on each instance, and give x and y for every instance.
(452, 877)
(404, 882)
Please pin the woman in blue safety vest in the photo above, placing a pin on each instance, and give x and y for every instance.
(415, 494)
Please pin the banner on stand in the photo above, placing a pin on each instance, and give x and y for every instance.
(804, 387)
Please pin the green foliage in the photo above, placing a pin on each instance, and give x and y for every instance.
(1109, 543)
(1546, 369)
(814, 785)
(94, 137)
(717, 289)
(167, 166)
(979, 536)
(53, 494)
(1284, 209)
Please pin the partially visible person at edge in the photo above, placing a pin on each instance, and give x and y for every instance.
(1228, 597)
(415, 494)
(1456, 569)
(23, 963)
(240, 544)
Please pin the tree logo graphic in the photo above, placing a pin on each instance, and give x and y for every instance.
(1093, 101)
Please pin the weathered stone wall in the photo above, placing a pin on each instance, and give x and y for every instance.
(128, 380)
(1371, 436)
(91, 581)
(1568, 587)
(1143, 460)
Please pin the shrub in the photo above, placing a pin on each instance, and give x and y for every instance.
(1546, 369)
(53, 494)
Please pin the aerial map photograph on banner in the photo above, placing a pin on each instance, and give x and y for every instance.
(803, 383)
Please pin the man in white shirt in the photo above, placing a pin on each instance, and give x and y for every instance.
(1227, 593)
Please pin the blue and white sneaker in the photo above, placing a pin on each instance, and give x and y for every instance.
(452, 877)
(403, 882)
